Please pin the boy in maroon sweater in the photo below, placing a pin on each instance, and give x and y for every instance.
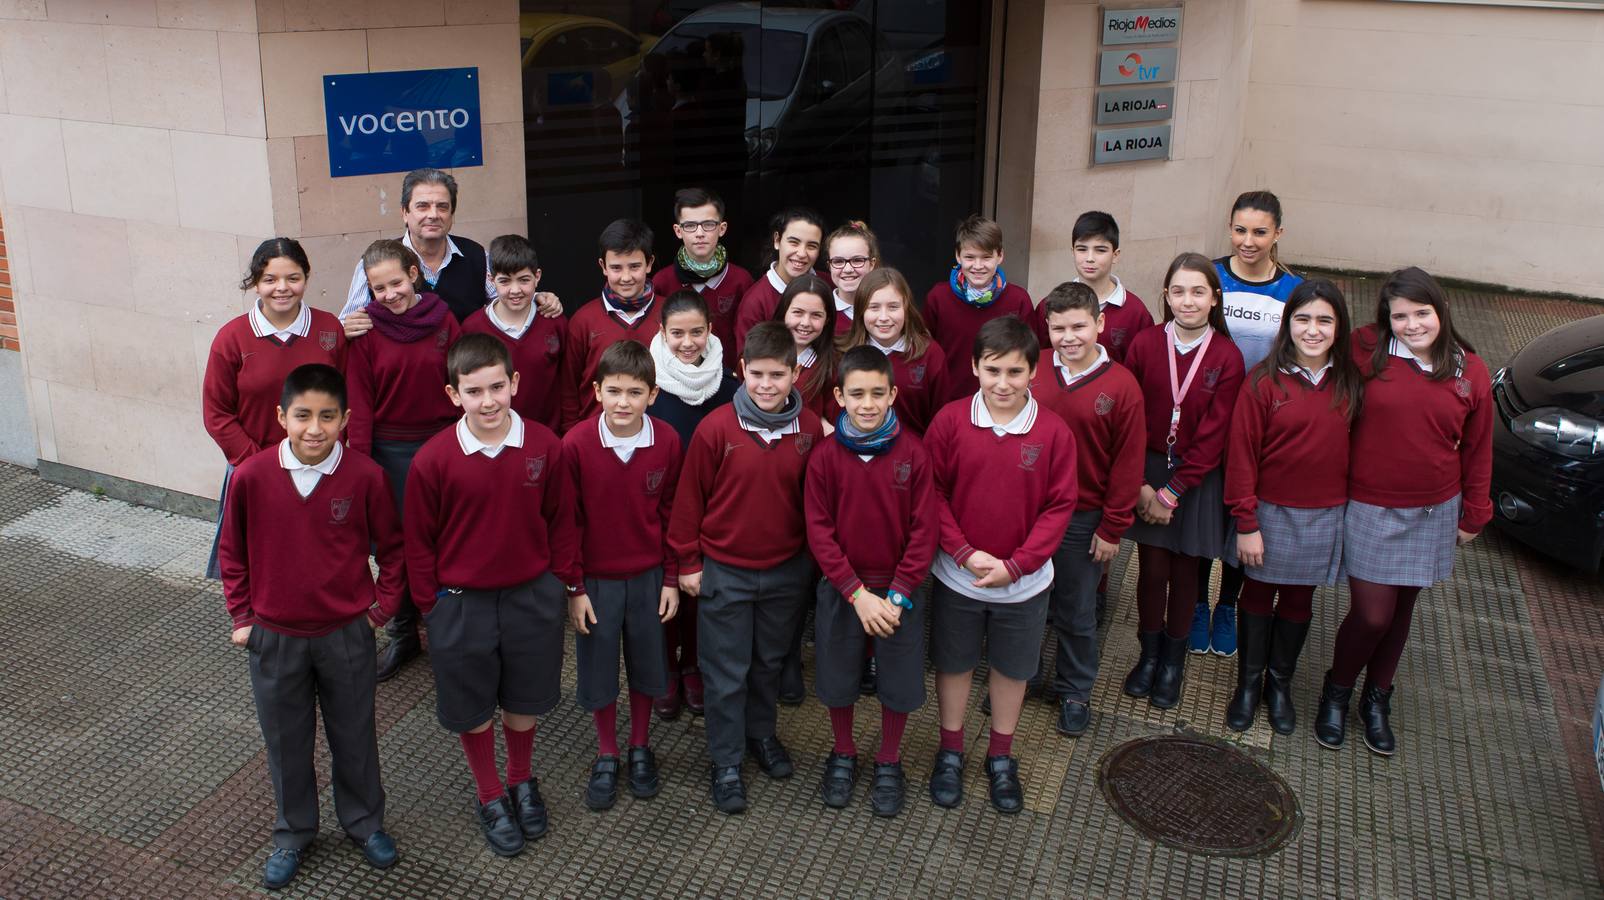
(623, 312)
(1096, 244)
(975, 292)
(872, 527)
(480, 508)
(738, 531)
(618, 477)
(1005, 489)
(1102, 405)
(297, 524)
(703, 263)
(535, 341)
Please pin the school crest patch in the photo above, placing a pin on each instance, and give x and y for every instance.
(339, 508)
(1462, 388)
(1211, 377)
(441, 338)
(654, 480)
(726, 303)
(804, 443)
(554, 345)
(327, 340)
(1116, 336)
(916, 375)
(901, 473)
(1103, 405)
(533, 466)
(1028, 454)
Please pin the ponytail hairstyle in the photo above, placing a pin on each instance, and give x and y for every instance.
(785, 217)
(914, 330)
(269, 250)
(824, 344)
(1197, 262)
(855, 228)
(685, 300)
(1347, 383)
(1264, 202)
(387, 249)
(1413, 284)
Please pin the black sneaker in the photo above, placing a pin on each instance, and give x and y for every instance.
(947, 779)
(1007, 795)
(531, 809)
(729, 791)
(840, 775)
(887, 790)
(771, 756)
(1073, 717)
(500, 826)
(602, 791)
(644, 781)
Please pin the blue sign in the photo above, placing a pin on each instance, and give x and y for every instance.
(400, 121)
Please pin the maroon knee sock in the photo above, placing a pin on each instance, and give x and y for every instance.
(1258, 597)
(1183, 595)
(607, 729)
(1152, 585)
(480, 748)
(1297, 602)
(892, 724)
(952, 739)
(1000, 744)
(640, 718)
(841, 727)
(520, 754)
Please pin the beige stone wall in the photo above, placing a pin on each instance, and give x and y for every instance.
(133, 183)
(1465, 139)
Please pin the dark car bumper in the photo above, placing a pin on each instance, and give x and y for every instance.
(1554, 505)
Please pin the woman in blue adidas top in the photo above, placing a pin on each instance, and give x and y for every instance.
(1255, 287)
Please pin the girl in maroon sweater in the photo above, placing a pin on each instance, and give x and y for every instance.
(885, 318)
(805, 311)
(1190, 373)
(252, 354)
(852, 253)
(1419, 486)
(798, 234)
(1286, 483)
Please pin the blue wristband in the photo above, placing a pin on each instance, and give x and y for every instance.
(898, 598)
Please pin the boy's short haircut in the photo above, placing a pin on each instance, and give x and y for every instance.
(1071, 295)
(1004, 335)
(427, 176)
(770, 340)
(629, 359)
(473, 352)
(625, 236)
(691, 197)
(511, 254)
(319, 377)
(978, 231)
(864, 358)
(1095, 224)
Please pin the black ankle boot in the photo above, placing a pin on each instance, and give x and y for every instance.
(1375, 707)
(1171, 672)
(1140, 682)
(1252, 648)
(1286, 643)
(1331, 722)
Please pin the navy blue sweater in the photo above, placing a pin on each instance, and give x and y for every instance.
(685, 417)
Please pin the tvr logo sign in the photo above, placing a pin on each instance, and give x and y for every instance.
(1132, 68)
(1148, 65)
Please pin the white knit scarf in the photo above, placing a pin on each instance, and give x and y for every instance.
(693, 384)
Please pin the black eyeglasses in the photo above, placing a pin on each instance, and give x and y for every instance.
(693, 227)
(841, 262)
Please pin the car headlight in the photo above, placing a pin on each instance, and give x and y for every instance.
(1560, 431)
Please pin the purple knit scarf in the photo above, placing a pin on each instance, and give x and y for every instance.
(417, 323)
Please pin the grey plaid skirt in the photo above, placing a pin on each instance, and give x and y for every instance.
(1197, 528)
(1301, 546)
(1412, 547)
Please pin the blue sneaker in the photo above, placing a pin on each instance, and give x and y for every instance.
(1198, 641)
(1223, 639)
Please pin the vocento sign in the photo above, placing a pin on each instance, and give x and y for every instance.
(1141, 26)
(399, 121)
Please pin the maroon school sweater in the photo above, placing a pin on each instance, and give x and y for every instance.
(614, 515)
(872, 523)
(740, 500)
(954, 324)
(537, 358)
(921, 386)
(1418, 442)
(1121, 324)
(723, 302)
(1104, 412)
(245, 379)
(757, 305)
(477, 522)
(590, 332)
(1206, 412)
(398, 391)
(1288, 446)
(823, 404)
(1010, 496)
(299, 566)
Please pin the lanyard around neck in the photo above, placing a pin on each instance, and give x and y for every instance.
(1180, 388)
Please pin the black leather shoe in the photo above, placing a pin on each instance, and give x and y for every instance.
(1007, 795)
(869, 679)
(1139, 683)
(1252, 652)
(500, 826)
(1171, 673)
(840, 776)
(1375, 709)
(602, 791)
(379, 849)
(947, 779)
(531, 808)
(281, 868)
(1073, 717)
(404, 647)
(1331, 722)
(644, 781)
(1286, 643)
(729, 791)
(771, 756)
(887, 789)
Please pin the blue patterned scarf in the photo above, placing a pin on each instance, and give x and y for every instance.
(868, 443)
(980, 299)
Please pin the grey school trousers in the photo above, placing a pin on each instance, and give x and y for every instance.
(1074, 606)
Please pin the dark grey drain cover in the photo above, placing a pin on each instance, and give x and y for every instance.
(1200, 795)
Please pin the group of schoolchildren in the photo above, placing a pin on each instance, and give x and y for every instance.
(736, 451)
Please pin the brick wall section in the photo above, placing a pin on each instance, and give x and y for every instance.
(8, 301)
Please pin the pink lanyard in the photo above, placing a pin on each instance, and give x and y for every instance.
(1179, 388)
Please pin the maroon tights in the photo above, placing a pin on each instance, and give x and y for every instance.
(1258, 598)
(1166, 590)
(1373, 634)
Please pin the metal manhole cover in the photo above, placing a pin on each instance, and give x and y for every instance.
(1199, 795)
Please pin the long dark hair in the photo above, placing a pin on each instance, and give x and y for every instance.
(1197, 262)
(1347, 384)
(1413, 284)
(824, 344)
(269, 250)
(785, 217)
